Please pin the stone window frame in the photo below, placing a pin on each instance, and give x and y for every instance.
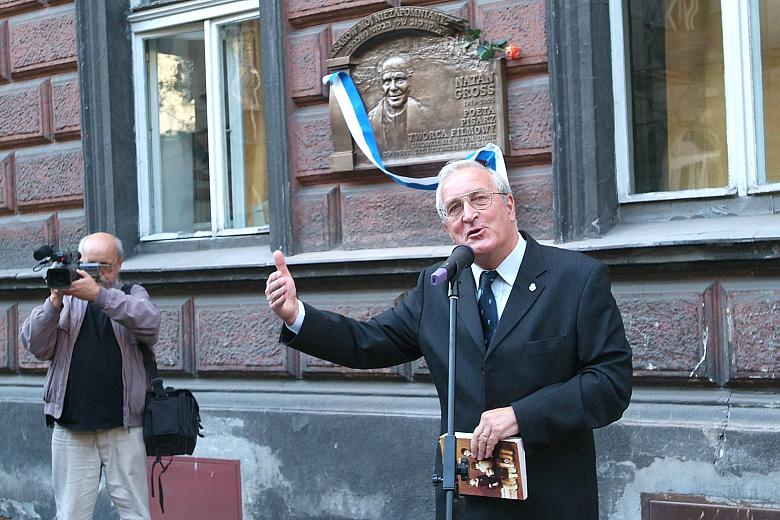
(108, 126)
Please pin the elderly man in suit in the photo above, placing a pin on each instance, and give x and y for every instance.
(542, 351)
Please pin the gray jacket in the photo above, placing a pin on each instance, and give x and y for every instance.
(50, 334)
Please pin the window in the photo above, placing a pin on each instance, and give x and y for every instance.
(697, 105)
(201, 144)
(768, 98)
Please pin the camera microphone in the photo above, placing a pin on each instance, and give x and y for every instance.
(43, 252)
(462, 257)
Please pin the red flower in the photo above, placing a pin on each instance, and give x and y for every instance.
(512, 51)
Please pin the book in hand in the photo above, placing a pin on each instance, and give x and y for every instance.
(500, 476)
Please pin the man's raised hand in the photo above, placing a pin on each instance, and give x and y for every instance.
(83, 288)
(280, 291)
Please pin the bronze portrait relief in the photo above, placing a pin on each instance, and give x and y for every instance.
(427, 97)
(397, 112)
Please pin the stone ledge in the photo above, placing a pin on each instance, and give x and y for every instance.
(255, 263)
(707, 231)
(725, 239)
(27, 387)
(357, 397)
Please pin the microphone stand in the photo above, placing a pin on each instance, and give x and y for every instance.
(449, 468)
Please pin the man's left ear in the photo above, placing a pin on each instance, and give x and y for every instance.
(510, 203)
(449, 232)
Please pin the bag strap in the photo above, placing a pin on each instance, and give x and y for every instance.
(151, 370)
(163, 469)
(149, 362)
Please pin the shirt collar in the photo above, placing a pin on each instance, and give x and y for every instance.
(509, 267)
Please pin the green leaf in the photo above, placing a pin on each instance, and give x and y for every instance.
(473, 34)
(484, 52)
(466, 45)
(500, 43)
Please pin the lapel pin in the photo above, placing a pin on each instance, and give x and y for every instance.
(532, 287)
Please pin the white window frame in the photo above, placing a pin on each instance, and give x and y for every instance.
(209, 16)
(744, 107)
(236, 134)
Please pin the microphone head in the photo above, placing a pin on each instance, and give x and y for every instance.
(462, 255)
(45, 251)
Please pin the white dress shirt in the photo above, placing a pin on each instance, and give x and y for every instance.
(507, 272)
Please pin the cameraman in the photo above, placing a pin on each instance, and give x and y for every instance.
(96, 384)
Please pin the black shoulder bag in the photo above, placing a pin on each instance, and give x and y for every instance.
(171, 421)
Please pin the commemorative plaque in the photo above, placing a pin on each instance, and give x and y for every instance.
(427, 95)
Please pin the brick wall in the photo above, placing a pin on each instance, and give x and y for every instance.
(692, 328)
(41, 163)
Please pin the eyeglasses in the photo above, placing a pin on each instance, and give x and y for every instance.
(478, 199)
(105, 268)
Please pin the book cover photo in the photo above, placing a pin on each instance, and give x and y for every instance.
(501, 476)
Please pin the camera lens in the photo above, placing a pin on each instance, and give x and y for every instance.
(60, 277)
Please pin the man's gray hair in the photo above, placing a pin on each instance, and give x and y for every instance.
(117, 243)
(451, 167)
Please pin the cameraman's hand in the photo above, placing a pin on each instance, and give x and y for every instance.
(280, 291)
(56, 298)
(85, 288)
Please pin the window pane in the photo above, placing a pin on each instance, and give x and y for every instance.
(677, 95)
(179, 156)
(247, 182)
(769, 14)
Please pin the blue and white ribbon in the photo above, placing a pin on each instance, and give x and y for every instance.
(354, 112)
(491, 155)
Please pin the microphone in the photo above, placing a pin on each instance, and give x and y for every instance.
(45, 251)
(460, 258)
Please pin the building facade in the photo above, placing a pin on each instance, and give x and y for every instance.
(641, 133)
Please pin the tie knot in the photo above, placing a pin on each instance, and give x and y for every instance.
(486, 279)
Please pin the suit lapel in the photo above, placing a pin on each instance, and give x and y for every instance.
(467, 308)
(526, 290)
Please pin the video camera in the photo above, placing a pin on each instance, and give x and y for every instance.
(63, 265)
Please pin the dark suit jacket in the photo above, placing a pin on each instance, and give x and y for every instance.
(559, 357)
